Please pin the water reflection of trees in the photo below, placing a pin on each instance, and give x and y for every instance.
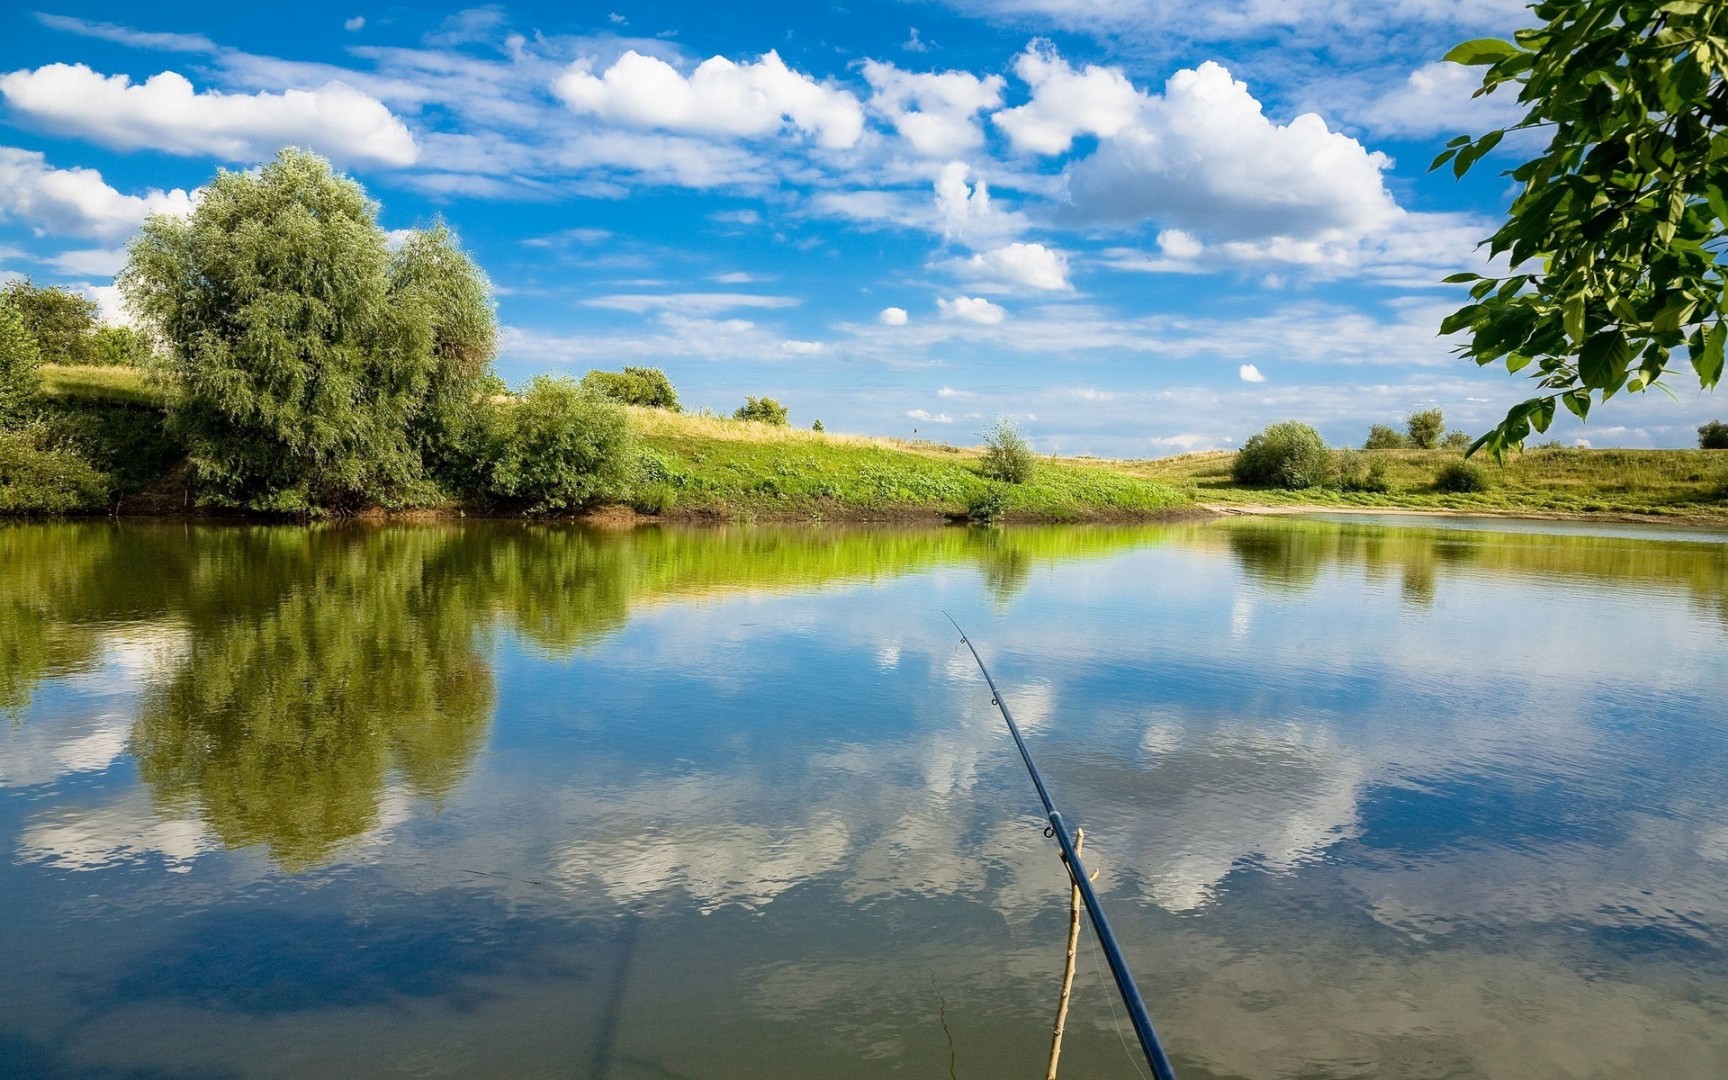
(1290, 556)
(320, 667)
(351, 658)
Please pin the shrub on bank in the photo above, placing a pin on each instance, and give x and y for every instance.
(1356, 472)
(558, 447)
(1713, 436)
(1006, 456)
(1462, 478)
(37, 477)
(1289, 455)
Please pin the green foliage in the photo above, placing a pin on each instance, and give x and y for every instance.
(1355, 471)
(645, 386)
(1455, 440)
(314, 369)
(20, 367)
(63, 323)
(127, 442)
(1424, 428)
(1713, 436)
(120, 346)
(1463, 477)
(559, 447)
(1614, 237)
(39, 477)
(1006, 456)
(816, 425)
(764, 410)
(1289, 455)
(1385, 437)
(988, 505)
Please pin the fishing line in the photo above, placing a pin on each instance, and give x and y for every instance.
(1115, 1017)
(1125, 986)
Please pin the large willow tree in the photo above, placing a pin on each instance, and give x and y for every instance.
(313, 369)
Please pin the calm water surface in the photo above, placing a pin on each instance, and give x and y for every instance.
(1369, 800)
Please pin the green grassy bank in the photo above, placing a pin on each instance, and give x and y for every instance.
(708, 467)
(102, 448)
(1684, 485)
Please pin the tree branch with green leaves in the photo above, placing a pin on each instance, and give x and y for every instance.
(1613, 241)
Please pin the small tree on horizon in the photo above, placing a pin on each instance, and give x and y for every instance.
(645, 386)
(1385, 437)
(763, 410)
(1713, 436)
(1425, 428)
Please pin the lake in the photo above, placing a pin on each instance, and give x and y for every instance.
(1369, 798)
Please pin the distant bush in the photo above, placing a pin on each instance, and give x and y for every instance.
(644, 386)
(1425, 427)
(1289, 455)
(62, 322)
(1356, 472)
(817, 426)
(1462, 478)
(40, 478)
(559, 447)
(1713, 436)
(1456, 440)
(1385, 437)
(1006, 456)
(763, 410)
(120, 346)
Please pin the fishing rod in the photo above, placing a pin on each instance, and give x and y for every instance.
(1149, 1043)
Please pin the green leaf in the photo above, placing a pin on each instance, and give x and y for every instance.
(1543, 414)
(1578, 403)
(1603, 359)
(1459, 279)
(1708, 361)
(1674, 313)
(1573, 315)
(1480, 51)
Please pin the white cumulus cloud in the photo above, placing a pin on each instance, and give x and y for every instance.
(1065, 102)
(75, 201)
(936, 112)
(892, 316)
(166, 113)
(972, 309)
(1204, 159)
(1250, 373)
(718, 98)
(930, 417)
(964, 211)
(1031, 266)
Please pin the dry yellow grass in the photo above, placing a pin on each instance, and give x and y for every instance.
(662, 424)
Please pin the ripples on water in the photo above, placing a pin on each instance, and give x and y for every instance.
(1370, 800)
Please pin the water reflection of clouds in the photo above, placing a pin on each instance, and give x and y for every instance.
(127, 830)
(87, 733)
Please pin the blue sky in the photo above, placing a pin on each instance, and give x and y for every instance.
(1136, 227)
